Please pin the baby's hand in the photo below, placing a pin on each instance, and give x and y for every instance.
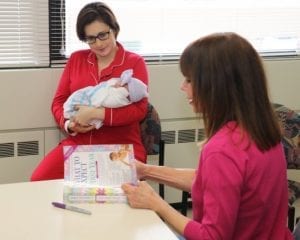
(77, 128)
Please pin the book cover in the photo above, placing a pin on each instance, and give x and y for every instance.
(95, 173)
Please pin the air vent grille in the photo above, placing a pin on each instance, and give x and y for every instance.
(7, 150)
(185, 136)
(28, 148)
(168, 137)
(201, 134)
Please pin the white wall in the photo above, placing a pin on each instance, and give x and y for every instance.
(26, 94)
(26, 97)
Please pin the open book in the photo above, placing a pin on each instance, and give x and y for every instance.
(95, 173)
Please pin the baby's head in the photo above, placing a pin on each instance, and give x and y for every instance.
(118, 84)
(113, 156)
(136, 88)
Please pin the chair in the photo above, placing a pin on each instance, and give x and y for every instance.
(291, 217)
(290, 123)
(151, 138)
(186, 202)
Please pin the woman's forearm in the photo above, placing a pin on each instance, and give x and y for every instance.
(85, 114)
(180, 178)
(171, 216)
(99, 113)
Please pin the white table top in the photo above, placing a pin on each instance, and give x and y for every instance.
(26, 213)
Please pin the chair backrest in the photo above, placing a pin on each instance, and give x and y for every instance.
(290, 123)
(151, 138)
(151, 131)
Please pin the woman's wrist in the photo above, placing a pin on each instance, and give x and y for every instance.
(158, 204)
(98, 113)
(143, 170)
(146, 170)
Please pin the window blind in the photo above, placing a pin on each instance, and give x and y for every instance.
(57, 32)
(159, 30)
(24, 34)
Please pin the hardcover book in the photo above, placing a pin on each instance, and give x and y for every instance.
(95, 173)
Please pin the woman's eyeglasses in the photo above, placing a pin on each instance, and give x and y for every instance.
(102, 36)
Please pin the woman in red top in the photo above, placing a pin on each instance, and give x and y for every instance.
(106, 58)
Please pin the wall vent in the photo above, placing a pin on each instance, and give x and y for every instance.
(28, 148)
(168, 136)
(201, 134)
(185, 136)
(7, 150)
(20, 153)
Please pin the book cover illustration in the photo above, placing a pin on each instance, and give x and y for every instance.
(95, 173)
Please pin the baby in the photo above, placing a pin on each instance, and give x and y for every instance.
(121, 155)
(113, 93)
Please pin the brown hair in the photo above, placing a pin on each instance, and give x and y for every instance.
(229, 84)
(96, 11)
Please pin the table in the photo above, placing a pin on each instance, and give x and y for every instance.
(27, 214)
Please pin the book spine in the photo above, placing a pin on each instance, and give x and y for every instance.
(93, 195)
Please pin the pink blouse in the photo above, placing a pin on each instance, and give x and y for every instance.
(239, 192)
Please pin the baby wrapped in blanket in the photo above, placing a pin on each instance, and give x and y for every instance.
(113, 93)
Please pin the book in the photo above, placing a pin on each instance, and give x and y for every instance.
(95, 173)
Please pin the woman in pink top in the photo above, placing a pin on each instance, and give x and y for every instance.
(239, 190)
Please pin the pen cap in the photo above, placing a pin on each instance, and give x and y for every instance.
(59, 205)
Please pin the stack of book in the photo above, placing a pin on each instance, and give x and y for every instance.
(95, 173)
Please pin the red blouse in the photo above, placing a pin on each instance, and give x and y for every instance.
(121, 125)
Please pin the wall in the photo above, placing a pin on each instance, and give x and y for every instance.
(28, 131)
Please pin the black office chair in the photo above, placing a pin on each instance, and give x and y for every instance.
(151, 138)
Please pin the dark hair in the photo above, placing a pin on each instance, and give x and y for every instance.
(92, 12)
(229, 84)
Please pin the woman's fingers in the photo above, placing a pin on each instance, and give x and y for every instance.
(128, 188)
(139, 196)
